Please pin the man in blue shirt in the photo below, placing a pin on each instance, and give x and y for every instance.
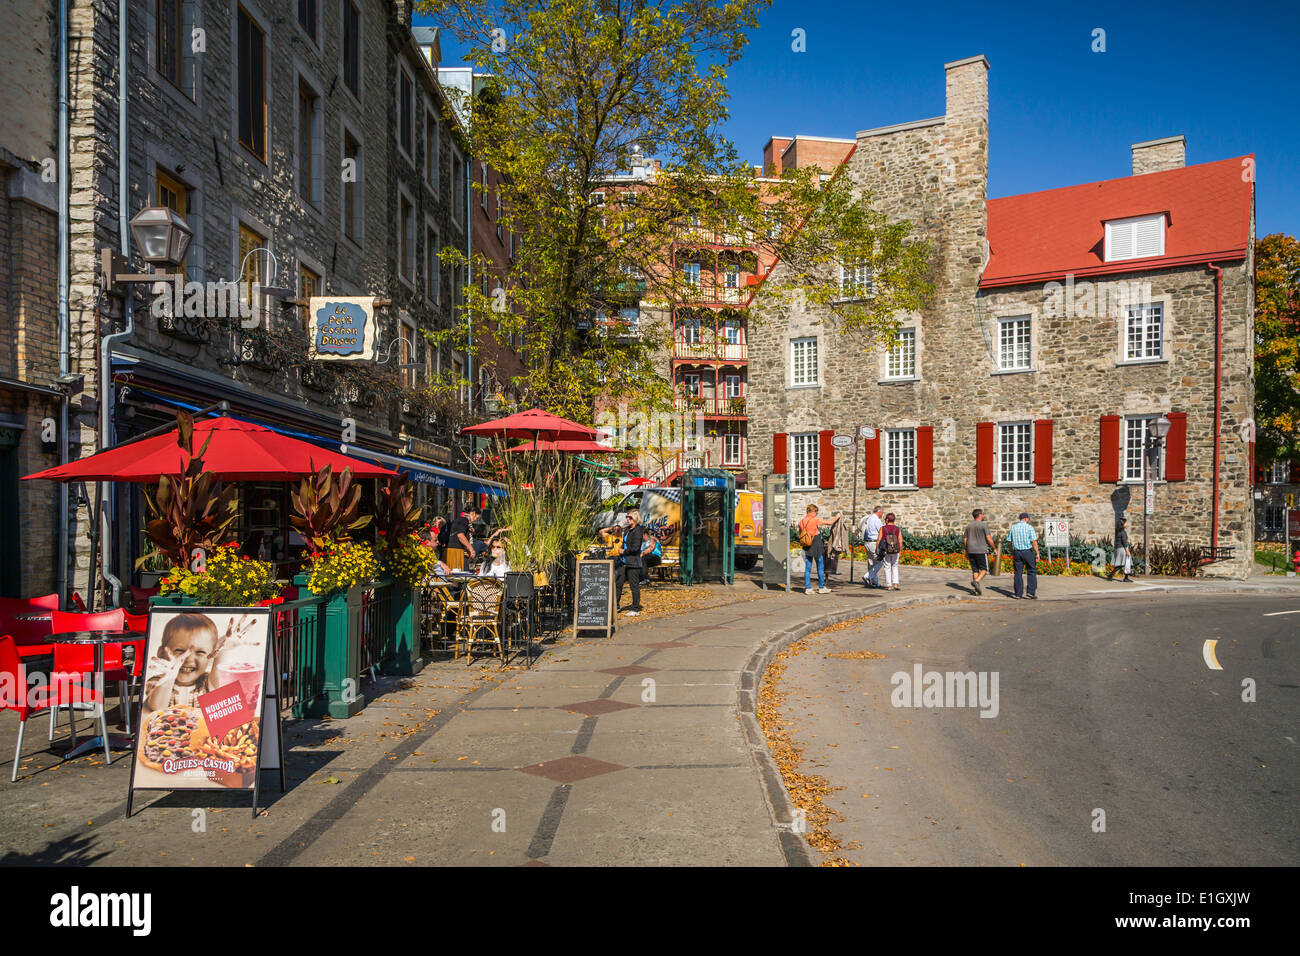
(1024, 554)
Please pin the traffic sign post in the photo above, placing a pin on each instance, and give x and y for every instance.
(1058, 534)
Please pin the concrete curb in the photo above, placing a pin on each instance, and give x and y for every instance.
(794, 847)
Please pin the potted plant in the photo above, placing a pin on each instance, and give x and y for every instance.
(191, 512)
(226, 578)
(153, 566)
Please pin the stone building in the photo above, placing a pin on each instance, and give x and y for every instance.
(33, 398)
(1275, 482)
(1063, 323)
(310, 148)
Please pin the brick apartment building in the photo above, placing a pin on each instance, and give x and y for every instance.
(1063, 323)
(309, 146)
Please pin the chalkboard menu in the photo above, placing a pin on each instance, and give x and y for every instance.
(593, 598)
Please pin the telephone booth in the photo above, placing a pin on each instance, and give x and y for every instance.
(708, 542)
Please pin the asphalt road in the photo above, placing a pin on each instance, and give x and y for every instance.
(1103, 705)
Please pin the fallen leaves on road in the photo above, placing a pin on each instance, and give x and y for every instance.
(857, 656)
(806, 790)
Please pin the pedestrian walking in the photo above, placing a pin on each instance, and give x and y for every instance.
(891, 549)
(870, 534)
(979, 544)
(1024, 556)
(814, 549)
(1123, 556)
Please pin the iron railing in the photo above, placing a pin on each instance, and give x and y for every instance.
(298, 629)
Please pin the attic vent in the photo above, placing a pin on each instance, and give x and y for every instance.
(1138, 238)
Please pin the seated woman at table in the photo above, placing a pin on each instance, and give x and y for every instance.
(497, 565)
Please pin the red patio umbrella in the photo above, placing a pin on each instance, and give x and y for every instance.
(639, 481)
(566, 447)
(535, 424)
(239, 451)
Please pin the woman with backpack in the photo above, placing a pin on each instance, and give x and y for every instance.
(814, 549)
(891, 547)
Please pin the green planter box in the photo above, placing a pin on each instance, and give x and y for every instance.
(406, 626)
(341, 654)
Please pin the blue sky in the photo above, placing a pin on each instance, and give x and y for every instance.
(1060, 114)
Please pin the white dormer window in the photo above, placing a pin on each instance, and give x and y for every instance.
(1137, 238)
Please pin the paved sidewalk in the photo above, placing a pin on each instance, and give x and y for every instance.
(636, 749)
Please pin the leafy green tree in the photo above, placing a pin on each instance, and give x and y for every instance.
(1277, 348)
(573, 94)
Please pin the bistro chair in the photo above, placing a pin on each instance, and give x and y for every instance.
(29, 636)
(116, 669)
(480, 611)
(439, 611)
(16, 695)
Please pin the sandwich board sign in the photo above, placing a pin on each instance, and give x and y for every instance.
(209, 693)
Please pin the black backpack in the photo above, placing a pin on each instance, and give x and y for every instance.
(444, 535)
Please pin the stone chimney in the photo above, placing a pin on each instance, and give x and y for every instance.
(1157, 155)
(967, 91)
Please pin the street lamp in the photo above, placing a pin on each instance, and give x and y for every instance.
(162, 237)
(1155, 438)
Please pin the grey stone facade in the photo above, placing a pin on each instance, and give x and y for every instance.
(934, 172)
(291, 196)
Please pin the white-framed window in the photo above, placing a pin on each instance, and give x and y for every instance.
(691, 384)
(499, 215)
(691, 331)
(731, 331)
(406, 349)
(631, 316)
(1274, 517)
(855, 279)
(1135, 435)
(803, 361)
(1144, 332)
(901, 361)
(731, 449)
(806, 473)
(900, 458)
(733, 386)
(598, 199)
(1015, 465)
(483, 186)
(1136, 238)
(691, 274)
(731, 276)
(1014, 341)
(1279, 472)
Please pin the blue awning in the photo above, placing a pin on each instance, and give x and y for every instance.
(427, 474)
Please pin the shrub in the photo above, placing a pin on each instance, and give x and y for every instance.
(340, 566)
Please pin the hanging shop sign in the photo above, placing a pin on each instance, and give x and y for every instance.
(342, 327)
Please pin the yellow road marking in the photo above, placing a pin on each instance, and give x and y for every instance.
(1211, 661)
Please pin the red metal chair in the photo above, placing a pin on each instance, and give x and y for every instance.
(28, 635)
(46, 602)
(78, 602)
(16, 695)
(80, 658)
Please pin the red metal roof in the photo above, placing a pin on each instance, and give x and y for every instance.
(1039, 237)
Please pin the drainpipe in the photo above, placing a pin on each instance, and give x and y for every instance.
(469, 279)
(128, 308)
(1218, 384)
(65, 324)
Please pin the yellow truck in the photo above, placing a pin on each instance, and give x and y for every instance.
(661, 513)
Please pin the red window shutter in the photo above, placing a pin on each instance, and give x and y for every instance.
(1176, 447)
(1108, 472)
(984, 453)
(778, 453)
(871, 466)
(1043, 452)
(826, 458)
(925, 457)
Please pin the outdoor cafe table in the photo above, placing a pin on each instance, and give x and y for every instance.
(455, 582)
(99, 639)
